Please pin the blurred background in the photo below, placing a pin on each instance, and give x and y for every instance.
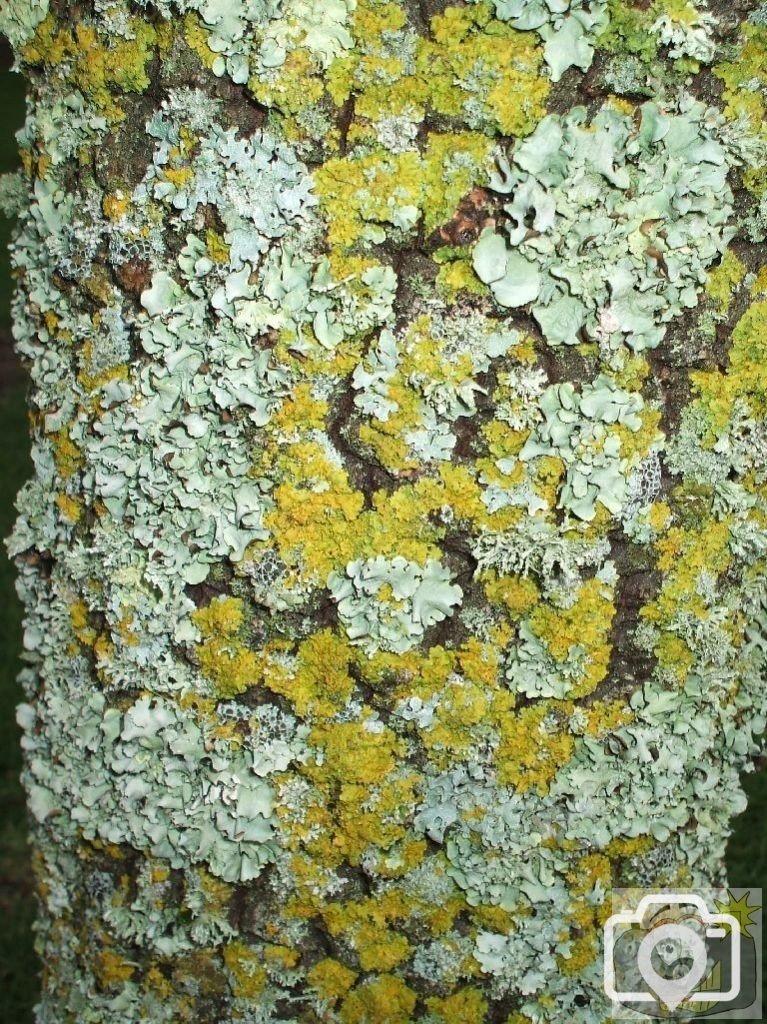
(747, 851)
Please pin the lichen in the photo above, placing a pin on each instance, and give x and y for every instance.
(385, 593)
(389, 603)
(20, 19)
(610, 226)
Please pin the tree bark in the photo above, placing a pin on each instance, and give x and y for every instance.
(394, 564)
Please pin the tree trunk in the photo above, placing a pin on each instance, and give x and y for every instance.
(394, 564)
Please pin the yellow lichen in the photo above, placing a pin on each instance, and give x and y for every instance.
(227, 662)
(457, 275)
(463, 707)
(630, 847)
(745, 378)
(518, 594)
(331, 979)
(354, 754)
(100, 66)
(196, 36)
(759, 285)
(384, 999)
(70, 507)
(467, 1006)
(724, 279)
(112, 969)
(248, 976)
(320, 685)
(589, 873)
(741, 75)
(584, 626)
(364, 195)
(115, 205)
(66, 454)
(532, 748)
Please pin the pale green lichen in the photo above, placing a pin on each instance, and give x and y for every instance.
(301, 607)
(20, 18)
(576, 430)
(389, 603)
(610, 226)
(415, 388)
(250, 37)
(568, 27)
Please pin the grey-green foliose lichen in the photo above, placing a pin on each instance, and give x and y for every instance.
(386, 578)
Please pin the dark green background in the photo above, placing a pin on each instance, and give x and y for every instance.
(747, 856)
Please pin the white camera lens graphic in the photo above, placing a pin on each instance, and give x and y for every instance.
(674, 944)
(669, 962)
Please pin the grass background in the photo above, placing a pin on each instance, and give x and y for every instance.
(747, 851)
